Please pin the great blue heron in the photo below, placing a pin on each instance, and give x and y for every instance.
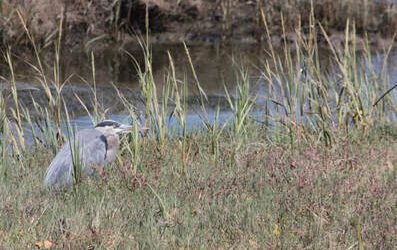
(97, 147)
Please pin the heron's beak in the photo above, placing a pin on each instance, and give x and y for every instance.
(124, 129)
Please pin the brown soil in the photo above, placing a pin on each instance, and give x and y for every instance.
(194, 21)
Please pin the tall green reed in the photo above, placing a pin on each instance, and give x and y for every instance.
(52, 88)
(4, 124)
(241, 105)
(180, 95)
(75, 150)
(18, 140)
(156, 108)
(215, 131)
(134, 148)
(99, 112)
(310, 99)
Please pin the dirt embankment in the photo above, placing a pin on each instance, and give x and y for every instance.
(194, 21)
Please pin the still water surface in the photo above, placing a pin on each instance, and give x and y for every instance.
(216, 67)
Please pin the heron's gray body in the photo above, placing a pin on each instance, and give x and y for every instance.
(89, 148)
(60, 171)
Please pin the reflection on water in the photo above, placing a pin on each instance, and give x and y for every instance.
(215, 66)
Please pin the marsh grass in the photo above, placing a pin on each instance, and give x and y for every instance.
(310, 197)
(305, 97)
(316, 174)
(241, 106)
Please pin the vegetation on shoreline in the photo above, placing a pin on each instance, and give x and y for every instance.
(316, 169)
(202, 21)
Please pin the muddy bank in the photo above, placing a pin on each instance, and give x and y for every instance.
(194, 21)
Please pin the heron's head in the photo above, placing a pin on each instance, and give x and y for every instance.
(113, 127)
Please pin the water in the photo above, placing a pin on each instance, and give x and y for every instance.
(216, 68)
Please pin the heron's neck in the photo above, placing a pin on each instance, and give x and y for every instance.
(113, 142)
(113, 146)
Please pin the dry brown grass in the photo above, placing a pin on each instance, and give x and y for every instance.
(265, 196)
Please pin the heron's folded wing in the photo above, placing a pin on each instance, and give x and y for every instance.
(59, 173)
(94, 149)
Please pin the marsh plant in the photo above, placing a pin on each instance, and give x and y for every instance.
(305, 96)
(241, 106)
